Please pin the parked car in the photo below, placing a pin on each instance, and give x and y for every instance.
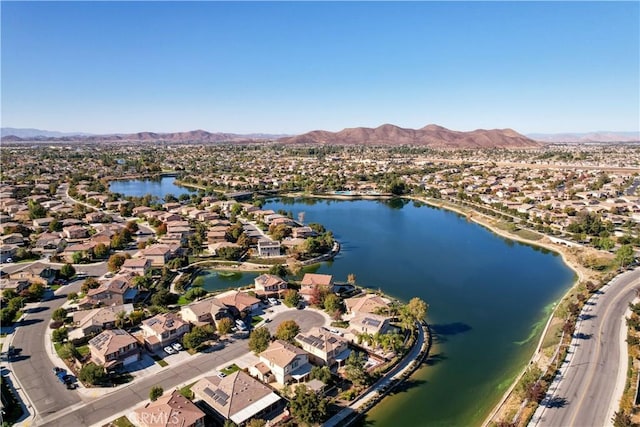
(57, 370)
(273, 301)
(221, 374)
(170, 350)
(71, 386)
(335, 331)
(176, 346)
(241, 325)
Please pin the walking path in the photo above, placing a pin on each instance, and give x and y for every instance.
(412, 361)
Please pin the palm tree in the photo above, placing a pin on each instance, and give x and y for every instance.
(121, 318)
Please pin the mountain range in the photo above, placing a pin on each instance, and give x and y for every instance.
(387, 134)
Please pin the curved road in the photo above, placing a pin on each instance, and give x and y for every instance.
(584, 390)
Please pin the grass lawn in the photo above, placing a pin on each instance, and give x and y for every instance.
(84, 350)
(159, 360)
(186, 391)
(121, 422)
(230, 369)
(528, 235)
(55, 287)
(255, 320)
(182, 301)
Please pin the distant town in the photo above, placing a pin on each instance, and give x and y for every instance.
(127, 309)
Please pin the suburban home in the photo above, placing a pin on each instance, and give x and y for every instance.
(369, 303)
(205, 312)
(242, 301)
(324, 348)
(369, 323)
(75, 232)
(172, 409)
(89, 322)
(35, 273)
(16, 285)
(286, 362)
(237, 397)
(8, 251)
(268, 248)
(163, 329)
(269, 284)
(311, 281)
(302, 232)
(51, 242)
(215, 247)
(12, 239)
(140, 211)
(42, 222)
(85, 249)
(139, 266)
(117, 291)
(114, 348)
(158, 254)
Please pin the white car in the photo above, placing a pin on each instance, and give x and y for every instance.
(170, 350)
(176, 346)
(335, 331)
(221, 374)
(273, 301)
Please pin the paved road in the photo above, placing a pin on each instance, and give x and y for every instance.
(584, 390)
(32, 367)
(128, 396)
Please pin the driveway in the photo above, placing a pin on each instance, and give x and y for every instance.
(306, 318)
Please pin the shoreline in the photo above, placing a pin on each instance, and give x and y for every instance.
(568, 258)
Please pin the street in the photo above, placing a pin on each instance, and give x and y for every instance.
(584, 391)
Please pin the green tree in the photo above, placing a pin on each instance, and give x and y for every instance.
(194, 339)
(256, 422)
(155, 392)
(101, 250)
(291, 298)
(59, 314)
(354, 369)
(224, 325)
(322, 373)
(161, 298)
(69, 352)
(332, 303)
(278, 270)
(417, 308)
(77, 257)
(115, 262)
(91, 373)
(89, 283)
(6, 316)
(287, 330)
(67, 271)
(16, 303)
(308, 407)
(195, 293)
(60, 334)
(259, 340)
(624, 255)
(36, 291)
(135, 317)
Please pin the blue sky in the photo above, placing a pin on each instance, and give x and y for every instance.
(292, 67)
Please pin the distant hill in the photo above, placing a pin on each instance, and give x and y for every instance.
(599, 136)
(192, 136)
(32, 133)
(431, 135)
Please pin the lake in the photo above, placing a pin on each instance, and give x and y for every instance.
(156, 187)
(488, 297)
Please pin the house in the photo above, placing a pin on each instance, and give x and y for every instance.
(369, 323)
(268, 284)
(139, 266)
(302, 232)
(237, 397)
(324, 348)
(369, 303)
(204, 312)
(88, 322)
(35, 273)
(114, 348)
(49, 242)
(42, 222)
(158, 254)
(268, 248)
(162, 330)
(12, 239)
(8, 251)
(286, 362)
(117, 291)
(240, 300)
(16, 286)
(311, 281)
(85, 249)
(171, 409)
(75, 232)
